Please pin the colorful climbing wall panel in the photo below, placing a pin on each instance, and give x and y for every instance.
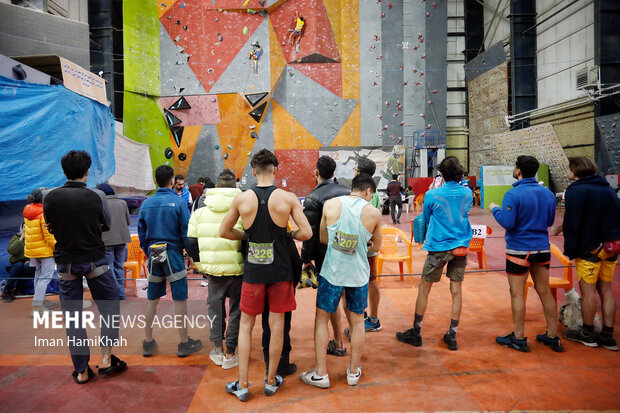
(183, 154)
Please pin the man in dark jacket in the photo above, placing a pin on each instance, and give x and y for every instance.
(394, 188)
(19, 270)
(312, 249)
(76, 216)
(592, 218)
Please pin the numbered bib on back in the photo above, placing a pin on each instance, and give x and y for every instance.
(345, 243)
(260, 253)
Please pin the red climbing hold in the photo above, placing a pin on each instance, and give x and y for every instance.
(405, 83)
(434, 92)
(390, 6)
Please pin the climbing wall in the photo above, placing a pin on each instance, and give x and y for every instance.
(539, 141)
(608, 158)
(231, 81)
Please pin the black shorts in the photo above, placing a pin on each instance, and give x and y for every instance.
(519, 264)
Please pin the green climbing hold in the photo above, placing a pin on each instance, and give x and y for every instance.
(217, 147)
(245, 30)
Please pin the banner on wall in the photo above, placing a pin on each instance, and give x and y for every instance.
(389, 160)
(496, 180)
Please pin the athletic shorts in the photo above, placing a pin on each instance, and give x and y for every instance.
(296, 32)
(373, 267)
(281, 297)
(597, 265)
(328, 297)
(177, 288)
(519, 263)
(436, 260)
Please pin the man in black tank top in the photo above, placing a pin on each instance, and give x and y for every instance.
(268, 273)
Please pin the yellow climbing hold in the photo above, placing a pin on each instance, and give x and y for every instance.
(245, 3)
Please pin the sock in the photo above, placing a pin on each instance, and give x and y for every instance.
(454, 325)
(373, 319)
(417, 322)
(588, 329)
(607, 331)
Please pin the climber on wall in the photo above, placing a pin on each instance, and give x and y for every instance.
(300, 22)
(255, 54)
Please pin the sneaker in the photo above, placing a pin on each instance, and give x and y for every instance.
(608, 342)
(242, 393)
(313, 379)
(286, 369)
(217, 356)
(40, 310)
(204, 283)
(450, 340)
(270, 389)
(188, 347)
(580, 336)
(554, 343)
(353, 379)
(8, 296)
(51, 304)
(410, 336)
(370, 325)
(148, 348)
(229, 363)
(511, 341)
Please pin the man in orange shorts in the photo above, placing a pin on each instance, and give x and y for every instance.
(591, 224)
(268, 271)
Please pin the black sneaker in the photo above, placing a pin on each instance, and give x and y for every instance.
(512, 342)
(608, 342)
(554, 343)
(450, 340)
(580, 336)
(8, 296)
(188, 347)
(410, 336)
(148, 348)
(285, 368)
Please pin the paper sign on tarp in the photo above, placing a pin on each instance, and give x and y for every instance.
(479, 231)
(81, 81)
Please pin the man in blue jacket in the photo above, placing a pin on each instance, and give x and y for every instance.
(591, 219)
(527, 211)
(162, 229)
(446, 214)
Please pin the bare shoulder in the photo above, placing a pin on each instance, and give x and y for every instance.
(371, 212)
(286, 196)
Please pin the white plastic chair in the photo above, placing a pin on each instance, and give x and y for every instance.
(409, 203)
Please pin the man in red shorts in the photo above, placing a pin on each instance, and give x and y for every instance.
(264, 211)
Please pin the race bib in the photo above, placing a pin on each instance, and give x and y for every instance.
(260, 253)
(345, 243)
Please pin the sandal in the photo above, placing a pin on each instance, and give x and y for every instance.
(116, 366)
(333, 349)
(91, 375)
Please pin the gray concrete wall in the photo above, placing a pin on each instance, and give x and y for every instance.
(436, 68)
(25, 32)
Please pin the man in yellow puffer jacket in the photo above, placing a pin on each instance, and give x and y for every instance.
(221, 259)
(40, 249)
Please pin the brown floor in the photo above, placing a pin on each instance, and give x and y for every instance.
(396, 376)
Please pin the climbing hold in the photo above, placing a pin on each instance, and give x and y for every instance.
(402, 123)
(226, 155)
(430, 103)
(182, 5)
(423, 56)
(415, 70)
(229, 147)
(219, 37)
(168, 153)
(421, 73)
(177, 134)
(171, 119)
(255, 98)
(257, 113)
(428, 14)
(402, 67)
(382, 15)
(434, 92)
(394, 114)
(385, 127)
(380, 116)
(422, 115)
(261, 2)
(245, 3)
(254, 135)
(374, 83)
(245, 30)
(210, 71)
(182, 157)
(428, 126)
(217, 147)
(390, 6)
(387, 104)
(176, 39)
(252, 127)
(415, 47)
(181, 103)
(405, 83)
(379, 57)
(400, 139)
(418, 83)
(178, 22)
(434, 5)
(185, 27)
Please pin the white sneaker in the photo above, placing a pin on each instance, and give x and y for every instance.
(204, 283)
(229, 363)
(353, 379)
(51, 304)
(217, 356)
(313, 379)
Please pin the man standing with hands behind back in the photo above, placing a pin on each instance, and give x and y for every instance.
(268, 272)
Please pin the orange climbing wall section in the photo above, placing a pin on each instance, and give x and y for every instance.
(276, 57)
(288, 133)
(188, 144)
(349, 135)
(234, 131)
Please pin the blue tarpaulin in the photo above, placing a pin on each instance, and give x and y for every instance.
(41, 123)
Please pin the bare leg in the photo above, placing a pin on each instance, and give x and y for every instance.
(336, 319)
(517, 303)
(356, 321)
(540, 275)
(321, 338)
(457, 299)
(276, 325)
(151, 310)
(374, 296)
(588, 302)
(180, 310)
(422, 300)
(106, 358)
(245, 346)
(608, 303)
